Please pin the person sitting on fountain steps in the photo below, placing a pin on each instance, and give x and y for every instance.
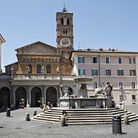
(63, 118)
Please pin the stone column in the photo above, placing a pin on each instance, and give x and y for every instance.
(43, 91)
(28, 97)
(12, 97)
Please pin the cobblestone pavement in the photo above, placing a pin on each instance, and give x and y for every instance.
(16, 127)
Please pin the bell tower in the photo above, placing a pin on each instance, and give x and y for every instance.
(64, 30)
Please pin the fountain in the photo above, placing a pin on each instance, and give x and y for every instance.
(101, 99)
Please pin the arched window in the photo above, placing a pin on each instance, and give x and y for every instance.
(62, 21)
(65, 31)
(30, 68)
(38, 68)
(67, 21)
(48, 68)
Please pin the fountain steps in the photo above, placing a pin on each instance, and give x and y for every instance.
(84, 116)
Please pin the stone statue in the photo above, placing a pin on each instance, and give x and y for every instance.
(12, 70)
(28, 69)
(99, 92)
(42, 69)
(64, 91)
(58, 70)
(104, 91)
(61, 91)
(108, 89)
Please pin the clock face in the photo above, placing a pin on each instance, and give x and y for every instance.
(65, 42)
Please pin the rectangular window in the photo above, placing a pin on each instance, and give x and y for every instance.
(133, 85)
(107, 59)
(131, 60)
(81, 59)
(94, 59)
(81, 72)
(121, 85)
(132, 72)
(121, 97)
(108, 72)
(120, 60)
(133, 97)
(108, 82)
(120, 72)
(94, 85)
(94, 72)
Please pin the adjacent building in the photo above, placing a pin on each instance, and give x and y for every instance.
(118, 68)
(1, 42)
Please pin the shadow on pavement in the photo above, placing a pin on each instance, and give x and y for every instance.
(4, 109)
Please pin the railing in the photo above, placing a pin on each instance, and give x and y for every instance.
(41, 77)
(4, 76)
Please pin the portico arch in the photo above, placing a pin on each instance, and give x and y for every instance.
(36, 94)
(5, 97)
(20, 93)
(51, 96)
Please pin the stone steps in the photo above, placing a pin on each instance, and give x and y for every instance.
(84, 116)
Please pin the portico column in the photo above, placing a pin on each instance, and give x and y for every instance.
(43, 90)
(12, 97)
(27, 97)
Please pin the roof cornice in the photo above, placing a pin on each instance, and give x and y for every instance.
(35, 43)
(2, 39)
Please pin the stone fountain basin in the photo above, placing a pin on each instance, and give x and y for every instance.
(83, 80)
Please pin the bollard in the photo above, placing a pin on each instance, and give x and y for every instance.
(126, 120)
(27, 117)
(8, 112)
(116, 124)
(62, 120)
(35, 112)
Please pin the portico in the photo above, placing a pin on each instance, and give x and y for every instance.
(32, 90)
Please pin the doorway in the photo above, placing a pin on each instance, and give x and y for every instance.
(36, 94)
(51, 96)
(4, 97)
(20, 93)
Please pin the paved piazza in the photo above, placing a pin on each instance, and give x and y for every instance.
(16, 127)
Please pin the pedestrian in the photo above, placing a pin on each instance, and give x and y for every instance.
(49, 104)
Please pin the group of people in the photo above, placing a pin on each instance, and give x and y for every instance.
(47, 106)
(122, 104)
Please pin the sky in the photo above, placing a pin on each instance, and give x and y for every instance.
(97, 24)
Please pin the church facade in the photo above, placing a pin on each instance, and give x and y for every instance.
(41, 69)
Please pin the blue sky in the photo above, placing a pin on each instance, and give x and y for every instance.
(97, 24)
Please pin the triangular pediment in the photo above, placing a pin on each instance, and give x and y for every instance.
(37, 48)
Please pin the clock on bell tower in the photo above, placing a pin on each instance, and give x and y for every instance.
(64, 29)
